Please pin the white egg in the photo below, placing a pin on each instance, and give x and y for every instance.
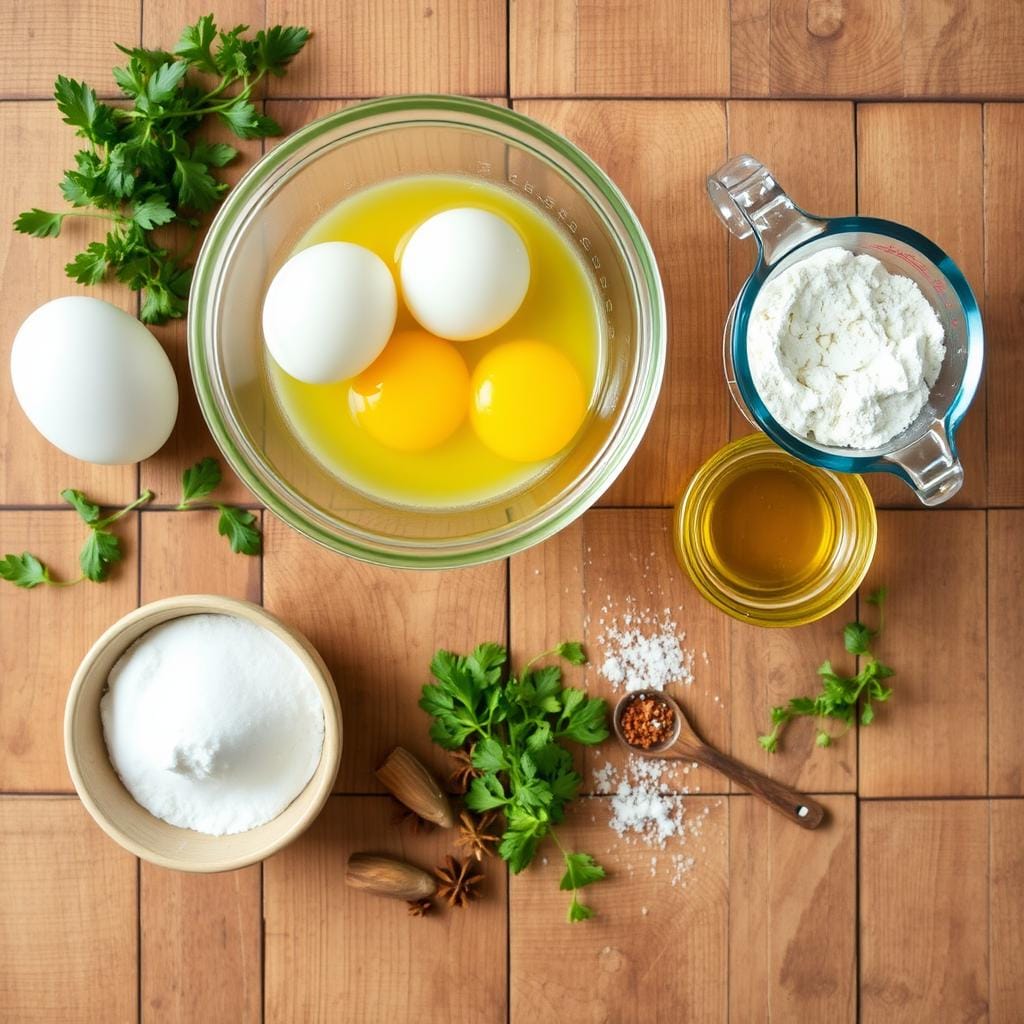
(329, 312)
(94, 381)
(464, 273)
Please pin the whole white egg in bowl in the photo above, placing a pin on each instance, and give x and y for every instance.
(462, 280)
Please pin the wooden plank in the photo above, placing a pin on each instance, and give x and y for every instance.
(184, 554)
(924, 919)
(614, 567)
(930, 738)
(362, 49)
(809, 146)
(1006, 897)
(44, 634)
(1004, 239)
(628, 140)
(619, 48)
(201, 934)
(921, 164)
(200, 951)
(39, 41)
(962, 49)
(834, 49)
(333, 953)
(774, 665)
(656, 951)
(923, 48)
(750, 46)
(32, 136)
(67, 916)
(377, 629)
(792, 914)
(1005, 628)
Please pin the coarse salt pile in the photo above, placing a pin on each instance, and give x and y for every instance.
(643, 650)
(645, 811)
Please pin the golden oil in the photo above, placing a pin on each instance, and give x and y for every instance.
(769, 525)
(771, 540)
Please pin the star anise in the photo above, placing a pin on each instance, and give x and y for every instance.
(404, 816)
(458, 881)
(419, 908)
(464, 772)
(475, 836)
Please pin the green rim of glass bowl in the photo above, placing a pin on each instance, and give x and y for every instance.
(823, 601)
(615, 455)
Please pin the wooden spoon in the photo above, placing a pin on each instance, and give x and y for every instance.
(684, 744)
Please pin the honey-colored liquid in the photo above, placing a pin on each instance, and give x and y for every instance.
(770, 527)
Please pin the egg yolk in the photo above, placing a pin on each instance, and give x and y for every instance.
(527, 400)
(414, 395)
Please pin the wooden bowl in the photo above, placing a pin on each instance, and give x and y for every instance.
(113, 807)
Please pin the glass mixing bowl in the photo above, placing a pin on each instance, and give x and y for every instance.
(310, 172)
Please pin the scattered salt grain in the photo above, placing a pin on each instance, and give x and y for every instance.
(646, 812)
(642, 650)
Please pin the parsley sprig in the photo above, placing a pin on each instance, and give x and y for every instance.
(237, 524)
(101, 550)
(518, 729)
(142, 168)
(842, 696)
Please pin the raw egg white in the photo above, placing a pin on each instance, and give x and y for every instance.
(329, 312)
(93, 381)
(464, 273)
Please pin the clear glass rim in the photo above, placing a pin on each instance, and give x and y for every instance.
(741, 381)
(608, 203)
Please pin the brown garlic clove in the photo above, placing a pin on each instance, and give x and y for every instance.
(388, 877)
(406, 779)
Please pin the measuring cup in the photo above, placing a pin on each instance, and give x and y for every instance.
(750, 201)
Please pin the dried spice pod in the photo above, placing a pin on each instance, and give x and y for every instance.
(458, 881)
(406, 779)
(465, 771)
(475, 834)
(420, 908)
(388, 877)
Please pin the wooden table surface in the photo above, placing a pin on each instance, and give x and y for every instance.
(909, 905)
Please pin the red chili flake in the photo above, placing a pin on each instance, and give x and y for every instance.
(647, 721)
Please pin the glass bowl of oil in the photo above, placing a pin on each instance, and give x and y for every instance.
(367, 174)
(771, 540)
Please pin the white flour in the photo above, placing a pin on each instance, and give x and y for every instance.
(212, 723)
(842, 352)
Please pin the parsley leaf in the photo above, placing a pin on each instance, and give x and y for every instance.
(24, 570)
(39, 223)
(841, 696)
(580, 869)
(516, 729)
(142, 167)
(237, 525)
(81, 504)
(101, 550)
(199, 480)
